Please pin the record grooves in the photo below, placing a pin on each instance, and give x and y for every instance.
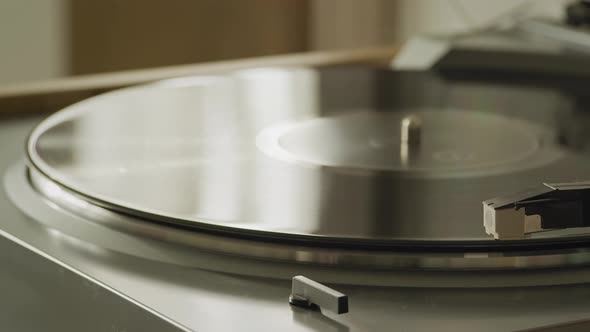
(318, 157)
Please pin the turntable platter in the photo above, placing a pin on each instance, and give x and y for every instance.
(343, 155)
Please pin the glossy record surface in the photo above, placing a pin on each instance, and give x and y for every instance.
(317, 154)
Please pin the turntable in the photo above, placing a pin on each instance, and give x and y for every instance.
(303, 198)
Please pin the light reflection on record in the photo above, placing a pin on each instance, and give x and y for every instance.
(312, 152)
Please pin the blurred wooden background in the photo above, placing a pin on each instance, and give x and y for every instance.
(111, 35)
(56, 38)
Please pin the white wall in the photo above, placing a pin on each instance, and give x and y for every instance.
(32, 40)
(451, 16)
(354, 23)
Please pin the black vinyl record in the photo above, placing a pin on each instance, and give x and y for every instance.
(320, 154)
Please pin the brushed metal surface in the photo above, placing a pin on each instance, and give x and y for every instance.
(41, 293)
(203, 300)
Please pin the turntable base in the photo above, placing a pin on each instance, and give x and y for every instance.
(198, 299)
(178, 288)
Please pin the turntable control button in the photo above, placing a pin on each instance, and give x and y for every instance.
(308, 293)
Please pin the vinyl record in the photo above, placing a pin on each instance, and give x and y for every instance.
(342, 156)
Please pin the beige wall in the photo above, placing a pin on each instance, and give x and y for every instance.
(32, 40)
